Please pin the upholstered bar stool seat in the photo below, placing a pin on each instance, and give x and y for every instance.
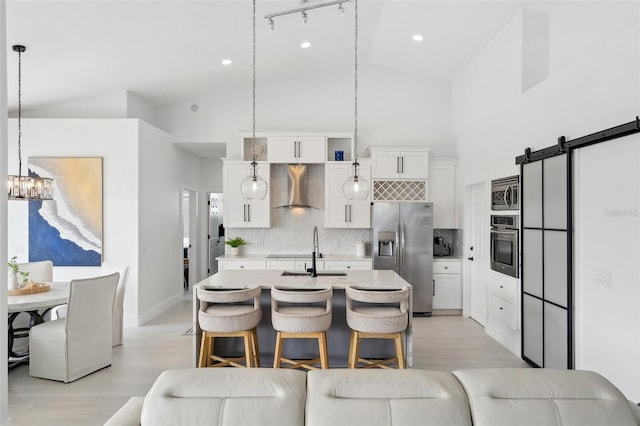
(222, 314)
(377, 314)
(301, 314)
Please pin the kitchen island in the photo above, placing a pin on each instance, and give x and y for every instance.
(338, 335)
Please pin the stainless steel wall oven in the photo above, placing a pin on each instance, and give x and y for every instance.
(504, 244)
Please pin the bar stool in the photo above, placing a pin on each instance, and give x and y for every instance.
(377, 314)
(301, 314)
(221, 314)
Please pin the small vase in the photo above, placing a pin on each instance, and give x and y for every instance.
(234, 251)
(12, 281)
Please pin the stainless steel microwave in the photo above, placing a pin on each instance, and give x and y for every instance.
(504, 244)
(505, 193)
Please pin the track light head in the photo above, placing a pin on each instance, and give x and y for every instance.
(304, 17)
(272, 24)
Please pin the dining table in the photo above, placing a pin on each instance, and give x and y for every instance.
(37, 305)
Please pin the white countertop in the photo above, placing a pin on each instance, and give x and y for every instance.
(258, 256)
(270, 278)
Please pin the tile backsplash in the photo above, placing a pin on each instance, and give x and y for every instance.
(451, 243)
(291, 229)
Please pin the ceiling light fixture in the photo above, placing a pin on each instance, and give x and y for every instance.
(355, 187)
(26, 187)
(303, 10)
(418, 37)
(253, 187)
(305, 45)
(227, 62)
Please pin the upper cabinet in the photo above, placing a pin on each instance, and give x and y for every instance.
(238, 212)
(442, 185)
(297, 149)
(390, 162)
(340, 212)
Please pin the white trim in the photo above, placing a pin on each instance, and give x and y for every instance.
(147, 316)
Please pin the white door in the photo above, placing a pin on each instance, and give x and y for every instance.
(476, 254)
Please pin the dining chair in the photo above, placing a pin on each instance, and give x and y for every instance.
(118, 302)
(69, 348)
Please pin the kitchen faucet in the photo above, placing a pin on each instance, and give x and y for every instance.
(316, 251)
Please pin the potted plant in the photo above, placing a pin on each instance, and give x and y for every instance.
(234, 244)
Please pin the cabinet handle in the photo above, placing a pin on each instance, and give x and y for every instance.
(242, 267)
(434, 287)
(446, 267)
(248, 212)
(397, 164)
(501, 308)
(349, 213)
(501, 286)
(401, 164)
(346, 219)
(244, 211)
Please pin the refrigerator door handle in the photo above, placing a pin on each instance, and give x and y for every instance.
(398, 247)
(402, 258)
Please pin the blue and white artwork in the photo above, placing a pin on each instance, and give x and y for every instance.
(68, 229)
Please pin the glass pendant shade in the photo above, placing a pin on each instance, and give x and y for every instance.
(355, 187)
(253, 187)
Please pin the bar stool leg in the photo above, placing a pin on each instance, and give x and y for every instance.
(324, 354)
(248, 354)
(352, 350)
(254, 345)
(399, 350)
(205, 351)
(277, 352)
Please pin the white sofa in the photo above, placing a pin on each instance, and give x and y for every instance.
(379, 397)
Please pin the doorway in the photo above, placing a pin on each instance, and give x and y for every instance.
(476, 287)
(189, 204)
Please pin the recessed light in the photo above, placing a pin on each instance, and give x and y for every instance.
(418, 37)
(305, 45)
(226, 62)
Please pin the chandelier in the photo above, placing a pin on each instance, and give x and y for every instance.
(26, 187)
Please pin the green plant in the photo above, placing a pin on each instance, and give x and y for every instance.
(236, 242)
(14, 265)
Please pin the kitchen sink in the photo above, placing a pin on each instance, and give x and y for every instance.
(308, 274)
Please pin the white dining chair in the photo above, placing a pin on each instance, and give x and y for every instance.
(69, 348)
(118, 302)
(39, 272)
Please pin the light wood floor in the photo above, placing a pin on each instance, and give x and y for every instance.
(440, 343)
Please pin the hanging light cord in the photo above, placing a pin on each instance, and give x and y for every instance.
(355, 108)
(253, 128)
(19, 113)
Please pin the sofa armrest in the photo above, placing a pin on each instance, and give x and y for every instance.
(636, 411)
(128, 414)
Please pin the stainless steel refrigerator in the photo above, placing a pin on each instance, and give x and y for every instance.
(215, 231)
(402, 239)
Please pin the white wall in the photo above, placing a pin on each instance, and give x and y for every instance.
(163, 171)
(393, 108)
(116, 141)
(592, 85)
(4, 389)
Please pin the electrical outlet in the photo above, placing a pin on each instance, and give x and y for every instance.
(603, 276)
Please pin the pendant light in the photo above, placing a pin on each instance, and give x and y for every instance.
(253, 187)
(355, 187)
(26, 187)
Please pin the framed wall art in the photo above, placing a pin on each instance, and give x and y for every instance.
(68, 229)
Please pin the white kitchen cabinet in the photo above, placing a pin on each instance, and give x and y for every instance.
(348, 265)
(297, 149)
(238, 212)
(293, 264)
(340, 212)
(447, 293)
(239, 264)
(399, 162)
(442, 185)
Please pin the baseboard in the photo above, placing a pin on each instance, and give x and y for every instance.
(504, 335)
(147, 316)
(446, 312)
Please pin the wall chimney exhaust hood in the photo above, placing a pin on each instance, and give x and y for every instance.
(297, 186)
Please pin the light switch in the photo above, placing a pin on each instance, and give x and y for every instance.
(602, 276)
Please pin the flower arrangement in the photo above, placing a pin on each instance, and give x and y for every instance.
(14, 270)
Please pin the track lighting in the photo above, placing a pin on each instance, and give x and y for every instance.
(303, 10)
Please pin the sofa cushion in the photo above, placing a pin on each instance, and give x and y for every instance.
(385, 397)
(199, 396)
(543, 397)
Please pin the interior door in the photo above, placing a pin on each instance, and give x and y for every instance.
(476, 250)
